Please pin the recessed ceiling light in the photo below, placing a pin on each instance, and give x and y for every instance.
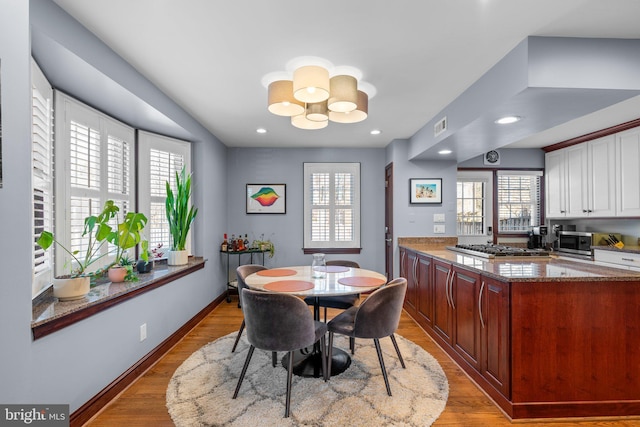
(508, 120)
(261, 130)
(376, 132)
(443, 152)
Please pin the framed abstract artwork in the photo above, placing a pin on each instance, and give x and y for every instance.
(425, 190)
(266, 198)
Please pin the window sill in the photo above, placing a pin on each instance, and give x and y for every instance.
(50, 315)
(308, 251)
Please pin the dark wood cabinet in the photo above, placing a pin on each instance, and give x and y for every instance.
(495, 330)
(408, 261)
(425, 290)
(464, 291)
(442, 316)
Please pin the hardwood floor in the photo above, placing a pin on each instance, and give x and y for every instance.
(143, 403)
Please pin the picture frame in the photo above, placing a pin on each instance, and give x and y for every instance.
(425, 190)
(266, 198)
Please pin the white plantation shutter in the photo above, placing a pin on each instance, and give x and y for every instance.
(331, 205)
(95, 163)
(42, 175)
(159, 159)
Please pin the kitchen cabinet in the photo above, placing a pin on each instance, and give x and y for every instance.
(465, 297)
(409, 270)
(425, 291)
(442, 309)
(495, 332)
(628, 172)
(581, 180)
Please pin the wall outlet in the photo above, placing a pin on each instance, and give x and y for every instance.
(143, 332)
(438, 228)
(438, 217)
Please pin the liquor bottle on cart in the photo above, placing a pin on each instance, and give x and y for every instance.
(224, 247)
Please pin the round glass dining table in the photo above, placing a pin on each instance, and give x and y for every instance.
(300, 281)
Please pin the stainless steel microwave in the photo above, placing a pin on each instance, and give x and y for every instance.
(580, 242)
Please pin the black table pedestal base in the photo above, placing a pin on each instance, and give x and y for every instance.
(307, 363)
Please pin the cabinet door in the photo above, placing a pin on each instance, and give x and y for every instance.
(555, 177)
(576, 184)
(494, 318)
(442, 317)
(465, 295)
(628, 173)
(412, 280)
(602, 177)
(425, 291)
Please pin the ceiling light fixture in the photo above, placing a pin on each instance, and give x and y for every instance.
(375, 132)
(261, 130)
(508, 120)
(313, 98)
(444, 152)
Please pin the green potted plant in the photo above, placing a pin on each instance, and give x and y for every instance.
(126, 236)
(98, 231)
(180, 216)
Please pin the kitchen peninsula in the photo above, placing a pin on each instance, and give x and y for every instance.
(543, 337)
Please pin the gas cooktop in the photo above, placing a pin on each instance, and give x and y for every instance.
(498, 251)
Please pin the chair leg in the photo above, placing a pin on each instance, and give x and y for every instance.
(289, 378)
(235, 344)
(274, 358)
(244, 370)
(323, 354)
(325, 315)
(329, 355)
(352, 345)
(395, 344)
(376, 341)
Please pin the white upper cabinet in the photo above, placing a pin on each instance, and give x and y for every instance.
(581, 180)
(628, 173)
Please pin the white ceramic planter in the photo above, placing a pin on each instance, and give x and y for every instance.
(177, 257)
(70, 289)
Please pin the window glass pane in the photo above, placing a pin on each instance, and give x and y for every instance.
(343, 225)
(343, 188)
(518, 202)
(470, 208)
(320, 189)
(85, 156)
(158, 227)
(119, 165)
(81, 207)
(320, 225)
(164, 166)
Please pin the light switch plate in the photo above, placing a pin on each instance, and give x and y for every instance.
(438, 228)
(439, 217)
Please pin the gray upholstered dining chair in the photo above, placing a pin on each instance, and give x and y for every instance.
(342, 302)
(242, 272)
(376, 317)
(280, 322)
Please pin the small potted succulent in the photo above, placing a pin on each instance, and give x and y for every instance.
(145, 266)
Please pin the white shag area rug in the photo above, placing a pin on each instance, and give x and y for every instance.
(200, 391)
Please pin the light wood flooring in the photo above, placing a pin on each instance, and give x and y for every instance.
(143, 403)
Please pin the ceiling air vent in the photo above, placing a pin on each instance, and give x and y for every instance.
(440, 126)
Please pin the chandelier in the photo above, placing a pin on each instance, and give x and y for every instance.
(313, 98)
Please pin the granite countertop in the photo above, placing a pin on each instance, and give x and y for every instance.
(526, 269)
(46, 307)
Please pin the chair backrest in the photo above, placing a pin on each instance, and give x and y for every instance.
(344, 263)
(244, 270)
(277, 321)
(379, 315)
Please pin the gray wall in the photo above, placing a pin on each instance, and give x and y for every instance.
(75, 363)
(284, 166)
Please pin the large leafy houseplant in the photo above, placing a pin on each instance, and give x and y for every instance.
(179, 215)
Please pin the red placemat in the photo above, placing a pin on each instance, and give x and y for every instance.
(332, 269)
(276, 272)
(362, 281)
(289, 285)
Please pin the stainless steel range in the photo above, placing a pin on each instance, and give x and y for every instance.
(498, 251)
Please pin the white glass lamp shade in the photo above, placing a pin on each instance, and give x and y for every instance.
(311, 84)
(355, 116)
(301, 122)
(318, 112)
(281, 100)
(344, 94)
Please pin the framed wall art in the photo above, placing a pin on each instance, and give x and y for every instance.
(425, 190)
(266, 198)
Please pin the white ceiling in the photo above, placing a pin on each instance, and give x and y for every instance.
(210, 56)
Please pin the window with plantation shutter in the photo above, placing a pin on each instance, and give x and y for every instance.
(42, 174)
(159, 158)
(94, 154)
(332, 206)
(519, 204)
